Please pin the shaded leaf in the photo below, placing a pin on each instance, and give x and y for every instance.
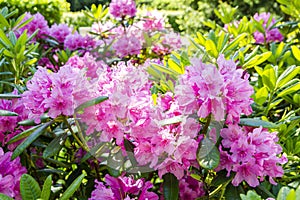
(7, 113)
(170, 187)
(39, 131)
(46, 191)
(90, 103)
(256, 123)
(54, 146)
(72, 188)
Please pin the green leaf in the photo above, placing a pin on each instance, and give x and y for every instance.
(234, 43)
(290, 89)
(39, 131)
(211, 48)
(261, 95)
(208, 155)
(7, 113)
(92, 102)
(232, 192)
(251, 195)
(177, 67)
(54, 146)
(257, 60)
(4, 197)
(283, 193)
(29, 188)
(22, 135)
(46, 191)
(256, 123)
(4, 21)
(291, 195)
(72, 188)
(298, 193)
(9, 96)
(287, 75)
(269, 78)
(170, 187)
(296, 52)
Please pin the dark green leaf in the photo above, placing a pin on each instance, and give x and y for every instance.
(7, 113)
(55, 146)
(256, 123)
(30, 139)
(29, 188)
(90, 103)
(170, 187)
(72, 188)
(232, 193)
(22, 135)
(46, 191)
(208, 155)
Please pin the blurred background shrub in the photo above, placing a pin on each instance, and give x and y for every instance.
(52, 10)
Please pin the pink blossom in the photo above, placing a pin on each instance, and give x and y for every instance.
(251, 153)
(10, 175)
(38, 22)
(270, 34)
(127, 45)
(122, 187)
(190, 188)
(122, 8)
(60, 32)
(78, 42)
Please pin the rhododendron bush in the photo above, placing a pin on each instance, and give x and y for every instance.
(133, 110)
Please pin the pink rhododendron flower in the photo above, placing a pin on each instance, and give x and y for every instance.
(205, 90)
(270, 34)
(121, 187)
(190, 188)
(122, 8)
(153, 21)
(60, 32)
(58, 93)
(10, 175)
(38, 22)
(252, 153)
(127, 45)
(78, 42)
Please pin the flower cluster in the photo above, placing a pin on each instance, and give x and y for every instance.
(38, 22)
(57, 93)
(123, 187)
(250, 153)
(9, 124)
(10, 174)
(271, 34)
(190, 188)
(60, 32)
(205, 89)
(122, 8)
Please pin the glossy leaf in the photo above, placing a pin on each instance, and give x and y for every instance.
(208, 156)
(54, 146)
(170, 187)
(72, 188)
(46, 191)
(92, 102)
(287, 75)
(296, 52)
(256, 123)
(257, 60)
(269, 78)
(283, 193)
(7, 113)
(9, 96)
(290, 89)
(29, 188)
(24, 134)
(39, 131)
